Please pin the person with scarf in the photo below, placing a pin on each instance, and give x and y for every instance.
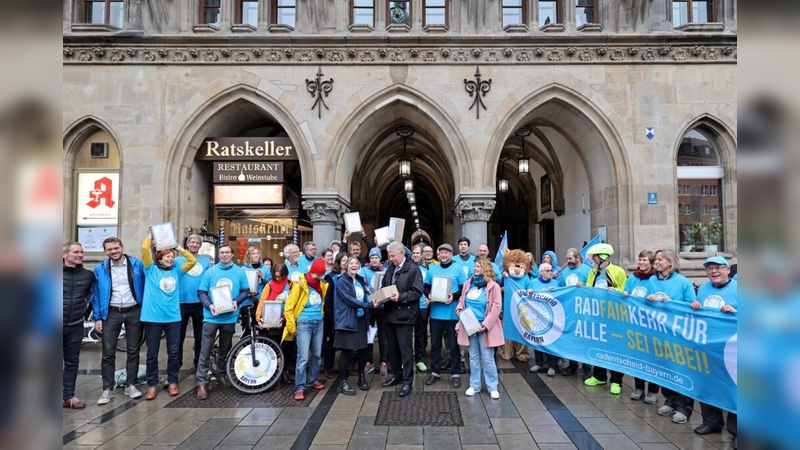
(376, 316)
(481, 294)
(667, 284)
(605, 275)
(303, 313)
(350, 300)
(337, 266)
(161, 311)
(253, 261)
(277, 289)
(637, 285)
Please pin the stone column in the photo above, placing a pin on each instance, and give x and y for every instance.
(474, 213)
(326, 218)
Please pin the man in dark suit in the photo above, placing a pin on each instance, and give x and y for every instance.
(401, 314)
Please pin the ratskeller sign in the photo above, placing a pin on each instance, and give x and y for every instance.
(249, 149)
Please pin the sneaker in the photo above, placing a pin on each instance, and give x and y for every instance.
(470, 392)
(535, 368)
(132, 392)
(680, 417)
(666, 410)
(592, 381)
(108, 394)
(368, 368)
(495, 395)
(637, 394)
(384, 369)
(615, 389)
(551, 372)
(651, 398)
(422, 367)
(299, 395)
(318, 385)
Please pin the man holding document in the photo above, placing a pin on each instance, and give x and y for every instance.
(221, 290)
(401, 312)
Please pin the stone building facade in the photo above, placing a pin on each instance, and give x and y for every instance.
(598, 102)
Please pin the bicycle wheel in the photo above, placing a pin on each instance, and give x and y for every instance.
(249, 379)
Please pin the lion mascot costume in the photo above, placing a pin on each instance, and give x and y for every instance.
(515, 277)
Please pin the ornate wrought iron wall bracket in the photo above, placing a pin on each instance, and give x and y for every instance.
(319, 88)
(478, 89)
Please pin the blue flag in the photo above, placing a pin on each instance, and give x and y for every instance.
(588, 261)
(500, 250)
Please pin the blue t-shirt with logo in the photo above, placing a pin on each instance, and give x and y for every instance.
(161, 303)
(676, 288)
(313, 308)
(439, 310)
(468, 265)
(569, 276)
(218, 275)
(189, 283)
(714, 297)
(637, 287)
(476, 301)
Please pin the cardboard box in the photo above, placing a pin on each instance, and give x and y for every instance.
(383, 294)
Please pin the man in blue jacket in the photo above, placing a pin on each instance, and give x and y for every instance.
(117, 301)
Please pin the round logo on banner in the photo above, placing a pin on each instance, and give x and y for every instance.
(539, 317)
(639, 291)
(601, 283)
(730, 355)
(572, 279)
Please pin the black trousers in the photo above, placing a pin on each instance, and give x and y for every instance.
(134, 330)
(328, 352)
(421, 335)
(378, 316)
(679, 402)
(193, 312)
(651, 387)
(401, 351)
(713, 418)
(602, 375)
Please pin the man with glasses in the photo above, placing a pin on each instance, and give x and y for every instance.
(308, 256)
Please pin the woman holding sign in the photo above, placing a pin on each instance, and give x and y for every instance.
(665, 286)
(161, 311)
(637, 285)
(350, 301)
(481, 297)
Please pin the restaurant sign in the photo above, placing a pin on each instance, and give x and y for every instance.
(247, 148)
(248, 172)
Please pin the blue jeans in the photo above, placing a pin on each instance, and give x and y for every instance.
(481, 358)
(309, 350)
(152, 337)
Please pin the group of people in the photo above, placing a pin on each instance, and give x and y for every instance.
(326, 308)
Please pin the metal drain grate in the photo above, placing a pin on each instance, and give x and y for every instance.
(436, 409)
(219, 397)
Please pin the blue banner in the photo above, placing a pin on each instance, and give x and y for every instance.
(501, 251)
(692, 352)
(586, 260)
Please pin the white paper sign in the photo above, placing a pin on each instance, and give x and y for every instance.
(352, 222)
(396, 228)
(382, 236)
(164, 236)
(221, 297)
(469, 321)
(252, 279)
(440, 288)
(271, 314)
(91, 238)
(371, 333)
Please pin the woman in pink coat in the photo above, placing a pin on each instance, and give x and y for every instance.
(481, 294)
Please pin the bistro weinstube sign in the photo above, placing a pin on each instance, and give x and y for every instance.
(247, 149)
(248, 172)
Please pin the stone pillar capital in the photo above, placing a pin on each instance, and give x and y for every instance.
(324, 209)
(469, 210)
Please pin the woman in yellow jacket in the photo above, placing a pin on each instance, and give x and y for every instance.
(303, 314)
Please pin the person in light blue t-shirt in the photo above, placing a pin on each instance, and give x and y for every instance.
(443, 315)
(465, 258)
(161, 311)
(576, 272)
(223, 274)
(191, 308)
(669, 285)
(720, 293)
(296, 270)
(545, 282)
(308, 256)
(636, 285)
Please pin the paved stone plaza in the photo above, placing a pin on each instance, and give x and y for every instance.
(534, 411)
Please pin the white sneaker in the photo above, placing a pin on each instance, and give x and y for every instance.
(108, 394)
(680, 417)
(132, 392)
(666, 410)
(651, 398)
(637, 394)
(536, 368)
(551, 372)
(470, 392)
(495, 395)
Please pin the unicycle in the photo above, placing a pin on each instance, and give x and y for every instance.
(255, 363)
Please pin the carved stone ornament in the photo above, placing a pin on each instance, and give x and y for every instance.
(325, 211)
(644, 53)
(472, 210)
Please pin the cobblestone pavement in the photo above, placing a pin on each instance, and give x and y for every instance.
(534, 411)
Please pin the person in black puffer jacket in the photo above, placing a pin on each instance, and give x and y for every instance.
(78, 284)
